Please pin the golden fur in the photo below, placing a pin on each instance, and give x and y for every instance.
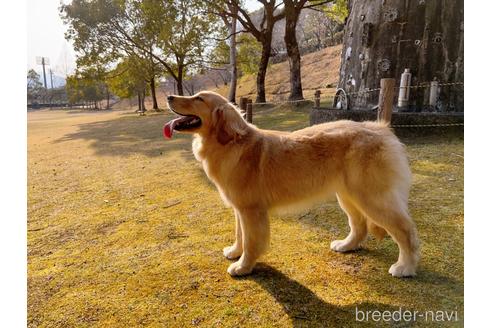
(259, 171)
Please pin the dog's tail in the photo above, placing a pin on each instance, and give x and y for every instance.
(376, 230)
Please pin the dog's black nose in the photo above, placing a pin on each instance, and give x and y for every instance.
(169, 98)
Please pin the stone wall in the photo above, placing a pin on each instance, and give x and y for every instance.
(321, 115)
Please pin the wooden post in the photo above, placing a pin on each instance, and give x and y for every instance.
(386, 96)
(249, 111)
(317, 98)
(242, 103)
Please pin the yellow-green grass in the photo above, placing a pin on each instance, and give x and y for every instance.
(125, 230)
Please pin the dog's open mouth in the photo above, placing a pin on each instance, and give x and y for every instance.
(181, 123)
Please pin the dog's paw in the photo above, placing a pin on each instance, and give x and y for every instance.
(402, 270)
(343, 246)
(238, 269)
(232, 252)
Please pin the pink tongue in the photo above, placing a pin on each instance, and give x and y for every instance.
(167, 131)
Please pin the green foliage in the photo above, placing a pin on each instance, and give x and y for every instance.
(173, 34)
(35, 88)
(86, 86)
(33, 81)
(338, 10)
(128, 78)
(320, 30)
(249, 51)
(89, 29)
(219, 56)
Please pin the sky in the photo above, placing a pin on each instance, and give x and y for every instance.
(45, 35)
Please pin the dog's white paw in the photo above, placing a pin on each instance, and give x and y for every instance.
(402, 270)
(342, 246)
(232, 252)
(238, 269)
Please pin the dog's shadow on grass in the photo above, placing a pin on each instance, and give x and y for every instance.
(306, 309)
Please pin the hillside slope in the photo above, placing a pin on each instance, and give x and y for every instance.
(319, 71)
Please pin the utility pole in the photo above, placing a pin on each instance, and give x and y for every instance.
(44, 74)
(43, 61)
(51, 78)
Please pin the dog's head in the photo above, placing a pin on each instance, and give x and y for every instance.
(208, 114)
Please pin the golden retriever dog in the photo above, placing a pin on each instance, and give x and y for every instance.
(258, 172)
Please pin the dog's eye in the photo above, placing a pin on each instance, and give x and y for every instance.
(199, 98)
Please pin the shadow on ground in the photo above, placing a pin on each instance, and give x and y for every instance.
(127, 135)
(306, 309)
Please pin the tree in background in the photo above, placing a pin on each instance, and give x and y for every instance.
(292, 10)
(249, 50)
(154, 71)
(129, 80)
(174, 33)
(233, 54)
(144, 70)
(220, 70)
(338, 10)
(272, 11)
(35, 89)
(184, 31)
(87, 87)
(320, 30)
(96, 29)
(261, 32)
(228, 14)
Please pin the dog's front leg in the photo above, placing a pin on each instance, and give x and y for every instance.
(235, 251)
(255, 237)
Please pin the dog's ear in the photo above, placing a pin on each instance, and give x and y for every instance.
(228, 123)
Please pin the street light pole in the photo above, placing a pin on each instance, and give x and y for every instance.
(44, 73)
(51, 78)
(44, 61)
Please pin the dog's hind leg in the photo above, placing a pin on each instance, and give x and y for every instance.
(235, 251)
(390, 212)
(358, 227)
(255, 237)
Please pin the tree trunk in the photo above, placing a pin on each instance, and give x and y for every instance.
(332, 35)
(155, 106)
(383, 38)
(179, 80)
(139, 100)
(263, 34)
(143, 101)
(107, 97)
(262, 68)
(290, 38)
(233, 59)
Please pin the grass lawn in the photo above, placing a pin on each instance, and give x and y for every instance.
(125, 230)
